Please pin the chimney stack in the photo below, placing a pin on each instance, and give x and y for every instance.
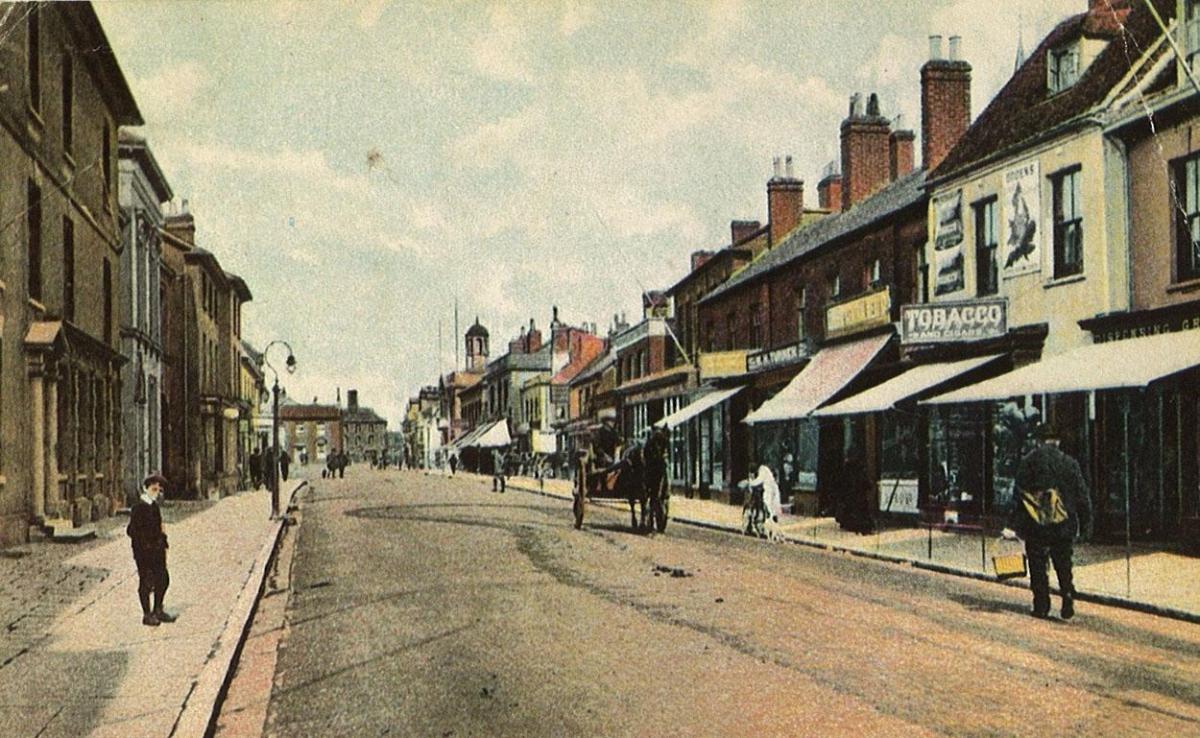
(945, 102)
(785, 202)
(740, 230)
(900, 153)
(829, 189)
(699, 258)
(865, 151)
(352, 399)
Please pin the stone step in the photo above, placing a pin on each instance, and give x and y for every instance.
(61, 529)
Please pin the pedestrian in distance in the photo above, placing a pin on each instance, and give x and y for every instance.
(854, 505)
(284, 462)
(256, 464)
(149, 542)
(498, 461)
(453, 464)
(1051, 506)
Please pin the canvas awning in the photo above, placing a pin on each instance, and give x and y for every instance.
(694, 408)
(912, 382)
(494, 436)
(1134, 362)
(825, 375)
(468, 439)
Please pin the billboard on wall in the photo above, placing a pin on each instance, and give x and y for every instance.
(947, 242)
(1021, 238)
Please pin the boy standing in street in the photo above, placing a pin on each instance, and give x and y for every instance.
(145, 531)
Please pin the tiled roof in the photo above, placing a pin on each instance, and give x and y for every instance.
(597, 366)
(361, 415)
(1023, 109)
(898, 195)
(540, 360)
(309, 412)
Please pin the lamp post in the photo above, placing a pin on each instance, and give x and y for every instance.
(290, 362)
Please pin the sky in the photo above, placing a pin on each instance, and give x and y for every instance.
(365, 166)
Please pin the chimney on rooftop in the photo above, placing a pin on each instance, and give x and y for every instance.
(352, 399)
(785, 201)
(699, 258)
(829, 189)
(865, 151)
(740, 230)
(945, 102)
(900, 149)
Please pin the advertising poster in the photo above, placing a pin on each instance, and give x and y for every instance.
(1022, 198)
(947, 243)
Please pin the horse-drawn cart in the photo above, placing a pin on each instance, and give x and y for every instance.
(639, 478)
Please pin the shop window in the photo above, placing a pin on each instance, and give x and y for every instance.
(835, 286)
(1187, 208)
(1068, 223)
(987, 269)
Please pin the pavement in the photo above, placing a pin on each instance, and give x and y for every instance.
(1140, 577)
(75, 658)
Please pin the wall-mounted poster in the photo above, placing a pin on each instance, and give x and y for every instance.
(1022, 200)
(947, 243)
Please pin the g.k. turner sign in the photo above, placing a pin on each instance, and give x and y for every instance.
(953, 321)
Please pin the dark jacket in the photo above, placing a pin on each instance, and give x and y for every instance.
(145, 530)
(1046, 468)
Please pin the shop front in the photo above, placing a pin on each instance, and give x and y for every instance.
(789, 447)
(698, 447)
(1128, 412)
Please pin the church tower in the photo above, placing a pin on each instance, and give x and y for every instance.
(477, 348)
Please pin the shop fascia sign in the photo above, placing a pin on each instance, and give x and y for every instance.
(722, 364)
(872, 310)
(760, 360)
(944, 322)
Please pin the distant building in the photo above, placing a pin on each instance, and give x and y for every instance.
(365, 432)
(142, 191)
(309, 433)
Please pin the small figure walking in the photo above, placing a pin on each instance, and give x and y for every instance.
(284, 461)
(498, 460)
(453, 464)
(1051, 506)
(145, 531)
(256, 469)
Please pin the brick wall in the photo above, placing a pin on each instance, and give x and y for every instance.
(945, 108)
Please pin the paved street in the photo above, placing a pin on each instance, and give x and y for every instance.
(421, 605)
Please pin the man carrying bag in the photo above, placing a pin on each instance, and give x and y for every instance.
(1050, 507)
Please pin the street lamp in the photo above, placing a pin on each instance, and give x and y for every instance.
(291, 368)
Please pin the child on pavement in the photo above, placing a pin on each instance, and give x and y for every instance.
(149, 542)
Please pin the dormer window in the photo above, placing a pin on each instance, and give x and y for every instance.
(1062, 68)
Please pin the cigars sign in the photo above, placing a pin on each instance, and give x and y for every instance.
(953, 321)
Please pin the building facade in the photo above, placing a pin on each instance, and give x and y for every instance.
(66, 98)
(363, 431)
(143, 190)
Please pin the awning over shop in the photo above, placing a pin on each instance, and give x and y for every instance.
(464, 440)
(826, 375)
(691, 410)
(1134, 362)
(912, 382)
(494, 436)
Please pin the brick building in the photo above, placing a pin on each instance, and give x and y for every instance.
(65, 99)
(364, 433)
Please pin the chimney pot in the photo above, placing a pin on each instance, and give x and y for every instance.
(873, 105)
(955, 43)
(788, 166)
(855, 105)
(775, 167)
(935, 47)
(185, 206)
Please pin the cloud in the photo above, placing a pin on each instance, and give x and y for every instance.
(173, 91)
(500, 51)
(491, 143)
(576, 15)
